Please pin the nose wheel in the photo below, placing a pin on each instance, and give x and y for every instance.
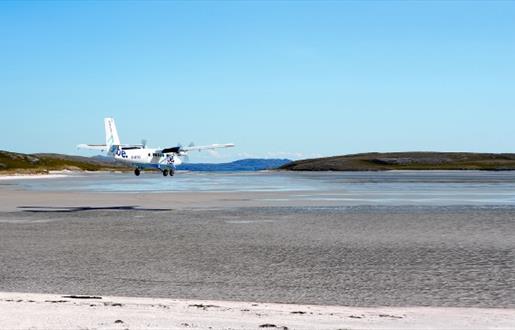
(137, 172)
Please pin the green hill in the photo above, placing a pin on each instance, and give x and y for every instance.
(11, 162)
(407, 161)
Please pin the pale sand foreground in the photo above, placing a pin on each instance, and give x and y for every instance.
(50, 311)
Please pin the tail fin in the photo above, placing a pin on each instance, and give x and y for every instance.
(111, 133)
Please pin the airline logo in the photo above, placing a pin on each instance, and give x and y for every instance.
(118, 152)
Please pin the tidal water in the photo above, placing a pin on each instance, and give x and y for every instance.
(348, 188)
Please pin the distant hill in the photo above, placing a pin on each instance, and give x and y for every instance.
(239, 165)
(407, 161)
(41, 163)
(12, 162)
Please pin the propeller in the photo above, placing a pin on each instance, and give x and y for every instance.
(185, 156)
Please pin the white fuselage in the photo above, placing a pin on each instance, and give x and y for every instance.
(146, 157)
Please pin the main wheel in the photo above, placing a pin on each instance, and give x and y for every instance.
(165, 172)
(172, 172)
(137, 172)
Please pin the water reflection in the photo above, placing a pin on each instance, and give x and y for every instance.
(349, 188)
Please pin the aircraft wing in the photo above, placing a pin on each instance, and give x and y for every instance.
(198, 148)
(208, 147)
(101, 147)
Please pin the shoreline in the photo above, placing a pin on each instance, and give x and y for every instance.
(67, 173)
(32, 176)
(43, 311)
(50, 174)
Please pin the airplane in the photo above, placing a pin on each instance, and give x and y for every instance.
(140, 157)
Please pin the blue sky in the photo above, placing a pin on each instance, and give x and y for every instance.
(279, 79)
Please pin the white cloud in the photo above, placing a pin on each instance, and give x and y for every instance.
(277, 154)
(285, 154)
(222, 156)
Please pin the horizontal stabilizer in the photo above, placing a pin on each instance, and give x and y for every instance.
(101, 147)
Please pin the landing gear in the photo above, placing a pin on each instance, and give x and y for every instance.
(165, 172)
(172, 172)
(137, 172)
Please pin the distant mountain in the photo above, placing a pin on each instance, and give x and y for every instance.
(407, 161)
(239, 165)
(251, 164)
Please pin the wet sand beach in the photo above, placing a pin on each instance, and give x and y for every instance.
(257, 246)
